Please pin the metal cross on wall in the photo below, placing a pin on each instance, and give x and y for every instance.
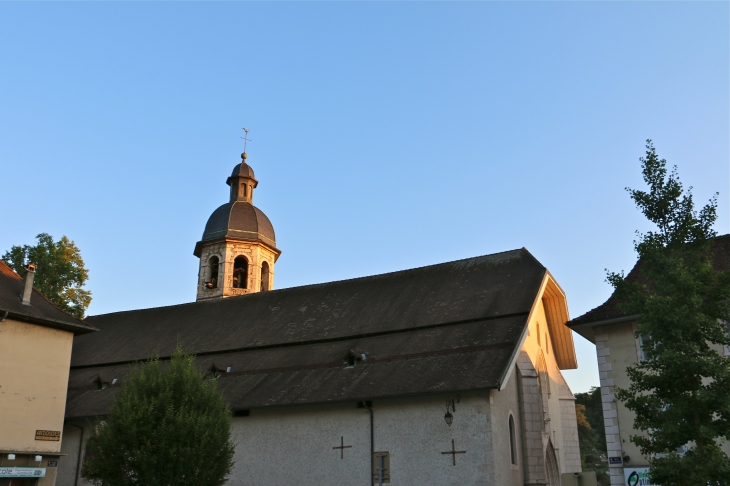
(453, 451)
(342, 447)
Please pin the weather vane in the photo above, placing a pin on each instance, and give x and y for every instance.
(245, 139)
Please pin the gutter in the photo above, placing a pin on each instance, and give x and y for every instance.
(65, 326)
(614, 320)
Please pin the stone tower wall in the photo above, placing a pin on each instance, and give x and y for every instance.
(227, 251)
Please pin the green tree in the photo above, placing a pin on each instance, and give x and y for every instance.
(169, 426)
(60, 273)
(680, 391)
(591, 435)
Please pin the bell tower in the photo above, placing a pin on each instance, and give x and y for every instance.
(238, 249)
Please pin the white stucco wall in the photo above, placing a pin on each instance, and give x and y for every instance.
(294, 445)
(503, 403)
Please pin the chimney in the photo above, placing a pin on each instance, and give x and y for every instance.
(28, 288)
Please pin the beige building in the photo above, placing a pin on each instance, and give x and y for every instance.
(35, 352)
(613, 333)
(448, 374)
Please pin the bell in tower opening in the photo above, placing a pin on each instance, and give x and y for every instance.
(238, 249)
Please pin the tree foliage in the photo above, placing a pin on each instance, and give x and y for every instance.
(680, 391)
(169, 426)
(60, 271)
(591, 436)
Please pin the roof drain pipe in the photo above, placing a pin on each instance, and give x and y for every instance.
(78, 460)
(369, 405)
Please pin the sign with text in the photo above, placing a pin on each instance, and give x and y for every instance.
(637, 476)
(22, 472)
(48, 435)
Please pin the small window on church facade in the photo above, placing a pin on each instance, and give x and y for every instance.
(213, 265)
(264, 276)
(512, 440)
(240, 273)
(244, 194)
(538, 333)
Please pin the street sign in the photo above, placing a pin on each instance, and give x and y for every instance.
(54, 435)
(636, 476)
(22, 472)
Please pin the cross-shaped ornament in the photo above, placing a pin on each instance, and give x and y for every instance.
(342, 447)
(245, 139)
(453, 451)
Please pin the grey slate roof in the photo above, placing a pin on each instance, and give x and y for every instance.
(40, 311)
(442, 328)
(239, 220)
(610, 309)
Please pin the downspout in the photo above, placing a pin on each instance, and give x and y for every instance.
(78, 460)
(372, 445)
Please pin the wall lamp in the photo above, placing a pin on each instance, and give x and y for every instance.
(38, 458)
(11, 457)
(448, 417)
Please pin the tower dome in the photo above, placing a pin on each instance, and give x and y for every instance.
(238, 220)
(238, 249)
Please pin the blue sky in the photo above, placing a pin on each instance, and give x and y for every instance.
(385, 136)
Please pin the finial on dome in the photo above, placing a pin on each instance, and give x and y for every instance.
(245, 139)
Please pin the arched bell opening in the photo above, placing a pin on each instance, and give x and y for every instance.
(265, 276)
(240, 273)
(213, 268)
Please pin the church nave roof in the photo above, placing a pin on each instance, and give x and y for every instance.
(442, 328)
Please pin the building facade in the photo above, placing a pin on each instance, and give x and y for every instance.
(448, 374)
(35, 353)
(617, 347)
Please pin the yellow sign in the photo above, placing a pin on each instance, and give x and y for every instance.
(48, 435)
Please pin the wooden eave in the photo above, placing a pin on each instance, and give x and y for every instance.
(556, 312)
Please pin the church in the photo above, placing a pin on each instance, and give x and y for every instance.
(448, 374)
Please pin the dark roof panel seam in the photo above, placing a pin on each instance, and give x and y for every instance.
(320, 341)
(365, 362)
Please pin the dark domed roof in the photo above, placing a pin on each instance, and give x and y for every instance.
(242, 170)
(240, 220)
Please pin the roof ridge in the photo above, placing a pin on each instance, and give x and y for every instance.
(353, 279)
(13, 272)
